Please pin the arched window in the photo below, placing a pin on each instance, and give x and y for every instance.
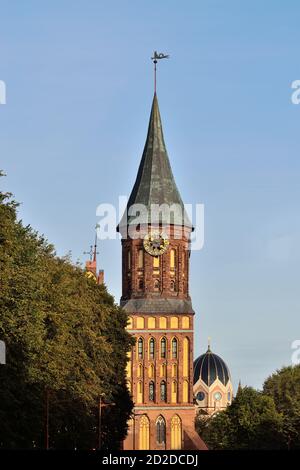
(140, 322)
(174, 392)
(151, 371)
(163, 348)
(176, 432)
(163, 391)
(186, 347)
(185, 391)
(174, 370)
(163, 370)
(140, 371)
(185, 322)
(139, 394)
(160, 430)
(174, 348)
(151, 322)
(151, 391)
(144, 435)
(141, 284)
(140, 348)
(151, 348)
(172, 259)
(156, 285)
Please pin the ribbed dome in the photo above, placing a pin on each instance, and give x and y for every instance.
(210, 367)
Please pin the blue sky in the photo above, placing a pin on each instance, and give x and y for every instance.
(79, 89)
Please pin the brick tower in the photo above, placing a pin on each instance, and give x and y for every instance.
(155, 294)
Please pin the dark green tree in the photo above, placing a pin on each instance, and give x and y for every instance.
(284, 388)
(65, 339)
(250, 422)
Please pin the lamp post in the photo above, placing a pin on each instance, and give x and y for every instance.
(101, 404)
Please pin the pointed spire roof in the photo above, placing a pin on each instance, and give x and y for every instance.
(155, 182)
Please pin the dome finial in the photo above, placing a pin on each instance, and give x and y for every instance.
(208, 343)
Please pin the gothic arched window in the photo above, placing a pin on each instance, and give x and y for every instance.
(151, 348)
(160, 430)
(174, 348)
(163, 348)
(163, 391)
(156, 285)
(151, 391)
(140, 348)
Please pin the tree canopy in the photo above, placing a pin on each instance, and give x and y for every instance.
(267, 419)
(65, 337)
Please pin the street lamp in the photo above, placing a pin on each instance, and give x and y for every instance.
(101, 396)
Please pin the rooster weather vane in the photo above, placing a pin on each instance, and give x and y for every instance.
(157, 56)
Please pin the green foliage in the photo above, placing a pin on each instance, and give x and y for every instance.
(63, 334)
(284, 388)
(250, 422)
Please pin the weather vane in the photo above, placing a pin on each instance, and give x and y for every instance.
(93, 249)
(157, 56)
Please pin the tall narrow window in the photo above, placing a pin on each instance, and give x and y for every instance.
(174, 392)
(156, 261)
(163, 348)
(151, 391)
(129, 260)
(156, 285)
(185, 391)
(172, 259)
(151, 371)
(140, 370)
(141, 259)
(185, 368)
(139, 395)
(160, 430)
(176, 433)
(140, 348)
(163, 391)
(163, 370)
(144, 434)
(151, 348)
(174, 348)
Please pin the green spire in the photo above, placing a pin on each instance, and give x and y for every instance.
(155, 183)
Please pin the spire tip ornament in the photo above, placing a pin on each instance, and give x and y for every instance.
(157, 56)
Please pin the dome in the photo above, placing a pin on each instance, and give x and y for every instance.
(210, 367)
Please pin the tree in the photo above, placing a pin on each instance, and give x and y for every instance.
(250, 422)
(65, 339)
(284, 388)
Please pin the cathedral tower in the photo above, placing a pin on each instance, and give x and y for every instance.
(155, 294)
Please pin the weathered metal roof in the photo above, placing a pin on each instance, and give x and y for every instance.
(155, 184)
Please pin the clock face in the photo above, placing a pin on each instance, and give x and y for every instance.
(156, 243)
(200, 396)
(217, 396)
